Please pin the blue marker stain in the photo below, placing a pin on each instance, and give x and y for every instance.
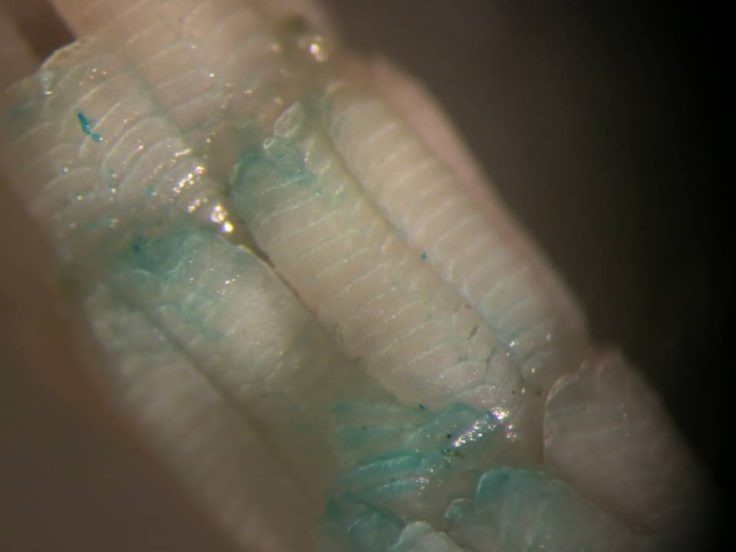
(86, 126)
(423, 255)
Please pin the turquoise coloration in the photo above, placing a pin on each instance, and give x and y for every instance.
(420, 536)
(351, 526)
(86, 125)
(496, 484)
(457, 433)
(134, 219)
(509, 510)
(377, 471)
(457, 428)
(528, 510)
(165, 254)
(422, 477)
(288, 160)
(459, 509)
(406, 463)
(273, 163)
(157, 272)
(373, 532)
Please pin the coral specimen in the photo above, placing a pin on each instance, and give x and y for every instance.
(320, 324)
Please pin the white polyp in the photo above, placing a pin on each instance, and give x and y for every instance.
(422, 200)
(607, 434)
(104, 151)
(196, 58)
(119, 169)
(214, 448)
(388, 306)
(140, 145)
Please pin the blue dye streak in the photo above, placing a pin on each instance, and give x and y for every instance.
(86, 125)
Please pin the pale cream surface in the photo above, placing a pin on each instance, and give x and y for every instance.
(388, 259)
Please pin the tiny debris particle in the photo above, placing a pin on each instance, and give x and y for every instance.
(86, 125)
(423, 255)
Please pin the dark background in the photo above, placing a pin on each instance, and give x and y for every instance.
(603, 126)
